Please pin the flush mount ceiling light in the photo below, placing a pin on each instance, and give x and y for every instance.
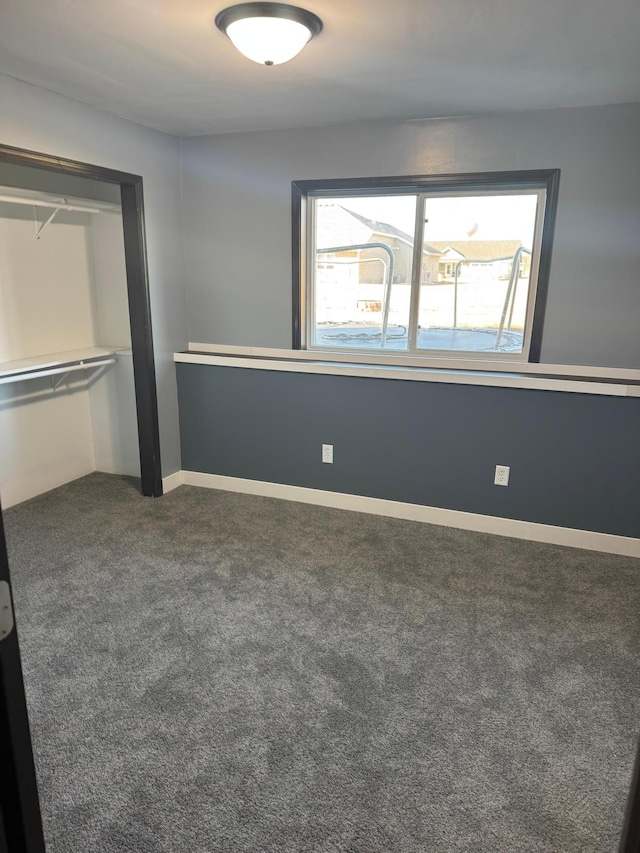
(268, 33)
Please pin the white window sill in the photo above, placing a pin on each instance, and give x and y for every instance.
(570, 379)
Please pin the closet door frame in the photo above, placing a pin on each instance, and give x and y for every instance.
(135, 251)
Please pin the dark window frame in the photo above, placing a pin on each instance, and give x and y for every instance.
(547, 179)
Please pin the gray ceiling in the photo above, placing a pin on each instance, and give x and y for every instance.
(163, 63)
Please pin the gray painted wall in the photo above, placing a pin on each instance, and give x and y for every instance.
(236, 191)
(35, 119)
(575, 458)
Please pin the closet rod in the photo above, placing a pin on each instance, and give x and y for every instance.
(34, 374)
(61, 205)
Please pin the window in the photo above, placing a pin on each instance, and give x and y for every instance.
(424, 267)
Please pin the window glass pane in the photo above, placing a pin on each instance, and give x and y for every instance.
(476, 269)
(362, 266)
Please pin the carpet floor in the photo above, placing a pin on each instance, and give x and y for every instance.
(220, 673)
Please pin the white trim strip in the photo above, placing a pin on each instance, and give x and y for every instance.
(172, 482)
(414, 374)
(489, 365)
(510, 527)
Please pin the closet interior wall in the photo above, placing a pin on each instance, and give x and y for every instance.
(65, 291)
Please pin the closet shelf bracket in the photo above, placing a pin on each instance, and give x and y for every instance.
(56, 385)
(40, 228)
(82, 365)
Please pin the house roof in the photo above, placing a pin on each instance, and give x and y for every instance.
(380, 227)
(481, 250)
(372, 226)
(336, 226)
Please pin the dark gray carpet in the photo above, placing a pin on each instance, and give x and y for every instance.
(217, 672)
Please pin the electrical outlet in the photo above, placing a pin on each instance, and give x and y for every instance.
(502, 475)
(327, 453)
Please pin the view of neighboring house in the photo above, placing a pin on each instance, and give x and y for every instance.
(484, 259)
(349, 281)
(338, 226)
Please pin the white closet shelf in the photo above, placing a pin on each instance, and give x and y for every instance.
(55, 362)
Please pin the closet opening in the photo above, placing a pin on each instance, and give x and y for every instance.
(77, 374)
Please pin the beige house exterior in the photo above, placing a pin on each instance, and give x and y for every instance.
(338, 226)
(479, 259)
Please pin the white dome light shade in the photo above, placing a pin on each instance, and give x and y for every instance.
(269, 41)
(268, 33)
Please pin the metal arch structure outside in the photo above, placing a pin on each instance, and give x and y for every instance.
(510, 296)
(389, 282)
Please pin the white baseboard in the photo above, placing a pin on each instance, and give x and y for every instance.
(530, 530)
(172, 482)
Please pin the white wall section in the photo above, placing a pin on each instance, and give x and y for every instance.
(46, 437)
(114, 421)
(45, 303)
(112, 392)
(111, 305)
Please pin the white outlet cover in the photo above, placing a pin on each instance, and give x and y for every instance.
(502, 475)
(327, 453)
